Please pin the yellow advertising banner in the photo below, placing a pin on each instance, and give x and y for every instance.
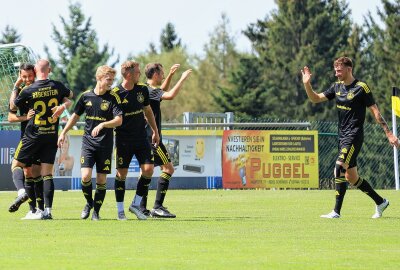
(270, 159)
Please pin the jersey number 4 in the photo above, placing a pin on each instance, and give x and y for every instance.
(41, 109)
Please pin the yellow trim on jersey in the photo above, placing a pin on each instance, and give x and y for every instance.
(350, 154)
(116, 96)
(17, 150)
(364, 86)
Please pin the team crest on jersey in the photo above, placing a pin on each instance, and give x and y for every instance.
(140, 97)
(104, 105)
(89, 103)
(350, 95)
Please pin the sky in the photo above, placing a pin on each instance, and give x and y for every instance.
(129, 26)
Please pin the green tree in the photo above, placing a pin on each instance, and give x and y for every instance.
(382, 54)
(169, 38)
(189, 98)
(298, 33)
(78, 51)
(10, 35)
(221, 56)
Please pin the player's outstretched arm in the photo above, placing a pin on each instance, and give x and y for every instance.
(71, 122)
(148, 113)
(165, 85)
(174, 91)
(314, 97)
(393, 140)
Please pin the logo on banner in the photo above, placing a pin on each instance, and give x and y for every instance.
(6, 155)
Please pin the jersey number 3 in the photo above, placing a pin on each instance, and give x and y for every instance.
(41, 109)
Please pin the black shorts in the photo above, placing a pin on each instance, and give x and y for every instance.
(349, 150)
(34, 161)
(101, 157)
(161, 155)
(126, 149)
(43, 148)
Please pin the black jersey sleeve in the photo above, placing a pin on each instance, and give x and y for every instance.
(22, 98)
(146, 101)
(80, 105)
(367, 96)
(65, 91)
(330, 92)
(116, 106)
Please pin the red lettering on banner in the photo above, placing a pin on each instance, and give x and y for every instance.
(277, 170)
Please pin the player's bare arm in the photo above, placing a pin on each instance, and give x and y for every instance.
(148, 113)
(58, 110)
(393, 140)
(170, 95)
(314, 97)
(166, 83)
(71, 122)
(117, 121)
(12, 117)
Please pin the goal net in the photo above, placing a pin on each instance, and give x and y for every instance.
(11, 56)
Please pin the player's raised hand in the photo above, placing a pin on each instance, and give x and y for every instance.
(306, 75)
(174, 68)
(186, 74)
(57, 111)
(97, 129)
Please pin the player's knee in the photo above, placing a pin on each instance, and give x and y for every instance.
(168, 169)
(86, 177)
(339, 170)
(148, 171)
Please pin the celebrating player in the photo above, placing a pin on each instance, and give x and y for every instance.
(40, 138)
(155, 76)
(352, 98)
(102, 115)
(131, 137)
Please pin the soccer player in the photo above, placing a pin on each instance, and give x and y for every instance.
(155, 76)
(103, 113)
(352, 98)
(45, 96)
(32, 181)
(131, 137)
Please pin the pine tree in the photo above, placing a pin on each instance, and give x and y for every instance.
(78, 51)
(10, 35)
(298, 33)
(169, 38)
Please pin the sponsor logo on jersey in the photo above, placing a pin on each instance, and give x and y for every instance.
(125, 101)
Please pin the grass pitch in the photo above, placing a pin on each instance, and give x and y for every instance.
(219, 229)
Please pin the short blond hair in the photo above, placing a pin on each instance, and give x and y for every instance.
(128, 66)
(103, 71)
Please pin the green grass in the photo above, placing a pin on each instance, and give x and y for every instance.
(223, 229)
